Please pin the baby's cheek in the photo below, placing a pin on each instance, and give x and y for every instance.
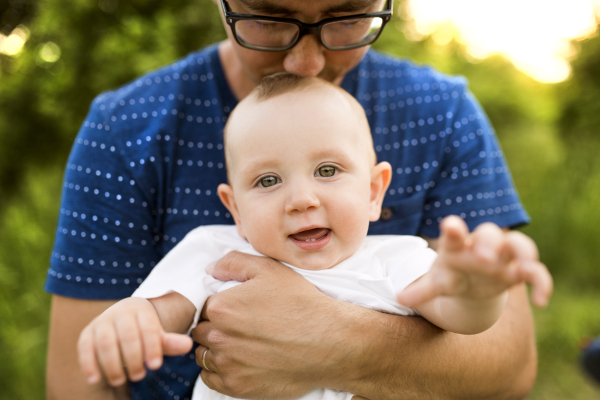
(261, 236)
(353, 219)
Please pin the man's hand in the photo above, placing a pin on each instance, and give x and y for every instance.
(264, 337)
(480, 265)
(276, 336)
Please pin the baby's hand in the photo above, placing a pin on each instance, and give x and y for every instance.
(125, 336)
(482, 264)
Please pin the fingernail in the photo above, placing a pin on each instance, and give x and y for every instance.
(155, 363)
(117, 382)
(138, 377)
(93, 379)
(210, 269)
(542, 301)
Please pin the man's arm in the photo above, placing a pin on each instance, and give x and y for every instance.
(424, 362)
(276, 336)
(64, 380)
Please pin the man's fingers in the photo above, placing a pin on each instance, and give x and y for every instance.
(235, 266)
(454, 233)
(203, 319)
(176, 344)
(212, 380)
(87, 357)
(130, 343)
(200, 332)
(198, 353)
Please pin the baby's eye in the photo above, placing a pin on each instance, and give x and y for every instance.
(268, 181)
(326, 171)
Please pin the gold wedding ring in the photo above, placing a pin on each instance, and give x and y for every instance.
(204, 361)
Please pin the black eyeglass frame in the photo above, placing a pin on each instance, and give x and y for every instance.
(305, 29)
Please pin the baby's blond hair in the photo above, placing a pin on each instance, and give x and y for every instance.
(281, 83)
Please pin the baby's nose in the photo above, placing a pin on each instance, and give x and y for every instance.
(301, 201)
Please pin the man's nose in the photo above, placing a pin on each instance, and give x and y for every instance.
(301, 200)
(306, 58)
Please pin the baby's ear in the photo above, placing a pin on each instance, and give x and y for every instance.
(226, 195)
(381, 176)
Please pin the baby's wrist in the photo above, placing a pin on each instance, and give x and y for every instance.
(476, 301)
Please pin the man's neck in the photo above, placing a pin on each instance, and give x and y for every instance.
(237, 78)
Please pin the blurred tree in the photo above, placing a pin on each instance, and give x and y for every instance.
(579, 127)
(75, 50)
(13, 13)
(581, 106)
(71, 56)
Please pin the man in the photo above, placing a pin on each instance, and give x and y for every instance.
(144, 170)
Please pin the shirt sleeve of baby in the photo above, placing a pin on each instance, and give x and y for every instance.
(104, 244)
(183, 270)
(474, 180)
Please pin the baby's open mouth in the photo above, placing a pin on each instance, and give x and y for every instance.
(311, 235)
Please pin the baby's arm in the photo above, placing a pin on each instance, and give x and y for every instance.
(465, 291)
(133, 332)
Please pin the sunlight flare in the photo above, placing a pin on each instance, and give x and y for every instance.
(534, 34)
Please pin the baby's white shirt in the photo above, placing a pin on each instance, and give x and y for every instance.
(383, 266)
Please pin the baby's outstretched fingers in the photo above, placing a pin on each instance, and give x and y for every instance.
(530, 270)
(432, 284)
(454, 234)
(536, 274)
(488, 242)
(417, 292)
(521, 246)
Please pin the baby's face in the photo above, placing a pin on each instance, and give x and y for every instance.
(304, 184)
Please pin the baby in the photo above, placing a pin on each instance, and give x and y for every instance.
(304, 184)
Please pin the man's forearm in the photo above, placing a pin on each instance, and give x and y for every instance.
(64, 380)
(407, 357)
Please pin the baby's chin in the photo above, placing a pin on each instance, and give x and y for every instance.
(304, 256)
(317, 261)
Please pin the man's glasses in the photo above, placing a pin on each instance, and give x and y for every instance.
(264, 33)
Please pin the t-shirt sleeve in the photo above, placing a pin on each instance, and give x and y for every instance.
(183, 270)
(105, 244)
(474, 181)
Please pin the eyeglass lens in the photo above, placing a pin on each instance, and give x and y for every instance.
(338, 34)
(266, 34)
(350, 32)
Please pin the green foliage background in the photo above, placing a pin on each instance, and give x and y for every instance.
(550, 135)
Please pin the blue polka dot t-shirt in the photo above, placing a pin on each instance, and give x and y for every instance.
(147, 161)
